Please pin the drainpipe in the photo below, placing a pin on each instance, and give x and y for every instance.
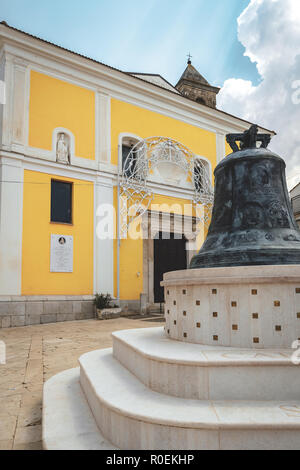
(118, 231)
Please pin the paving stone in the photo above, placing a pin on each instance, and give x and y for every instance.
(28, 435)
(34, 372)
(6, 445)
(29, 446)
(7, 427)
(10, 406)
(36, 353)
(30, 398)
(30, 415)
(36, 346)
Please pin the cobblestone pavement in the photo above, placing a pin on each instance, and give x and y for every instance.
(33, 355)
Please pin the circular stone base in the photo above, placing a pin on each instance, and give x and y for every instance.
(248, 307)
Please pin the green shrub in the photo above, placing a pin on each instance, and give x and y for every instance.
(102, 301)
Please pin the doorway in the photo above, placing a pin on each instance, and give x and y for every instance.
(169, 255)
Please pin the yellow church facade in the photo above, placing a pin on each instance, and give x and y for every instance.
(65, 125)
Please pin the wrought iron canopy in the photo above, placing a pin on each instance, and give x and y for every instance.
(135, 191)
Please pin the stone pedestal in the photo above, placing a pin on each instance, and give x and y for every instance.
(204, 381)
(246, 307)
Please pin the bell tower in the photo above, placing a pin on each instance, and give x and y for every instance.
(194, 86)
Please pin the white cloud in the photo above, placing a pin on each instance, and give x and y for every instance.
(270, 32)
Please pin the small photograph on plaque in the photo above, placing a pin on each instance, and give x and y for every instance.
(61, 254)
(62, 241)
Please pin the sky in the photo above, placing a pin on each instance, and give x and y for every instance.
(250, 48)
(269, 30)
(142, 36)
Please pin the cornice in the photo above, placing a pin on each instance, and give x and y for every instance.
(116, 83)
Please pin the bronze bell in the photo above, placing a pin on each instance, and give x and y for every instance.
(252, 220)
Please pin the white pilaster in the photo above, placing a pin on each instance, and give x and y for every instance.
(2, 78)
(18, 115)
(103, 133)
(15, 110)
(11, 217)
(221, 152)
(104, 249)
(7, 108)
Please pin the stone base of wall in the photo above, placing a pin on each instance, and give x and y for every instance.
(130, 306)
(34, 310)
(140, 306)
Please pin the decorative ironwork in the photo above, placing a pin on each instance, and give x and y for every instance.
(135, 193)
(248, 139)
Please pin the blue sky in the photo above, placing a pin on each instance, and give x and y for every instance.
(139, 36)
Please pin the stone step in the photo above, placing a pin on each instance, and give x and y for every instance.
(68, 423)
(206, 372)
(131, 416)
(156, 309)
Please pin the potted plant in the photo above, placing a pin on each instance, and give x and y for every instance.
(105, 309)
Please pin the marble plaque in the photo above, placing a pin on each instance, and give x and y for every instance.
(61, 254)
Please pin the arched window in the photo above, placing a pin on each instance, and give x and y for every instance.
(129, 160)
(201, 172)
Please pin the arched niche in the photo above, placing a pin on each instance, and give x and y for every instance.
(64, 152)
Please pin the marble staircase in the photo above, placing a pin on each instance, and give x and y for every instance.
(152, 392)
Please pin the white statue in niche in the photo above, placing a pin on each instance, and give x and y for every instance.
(62, 149)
